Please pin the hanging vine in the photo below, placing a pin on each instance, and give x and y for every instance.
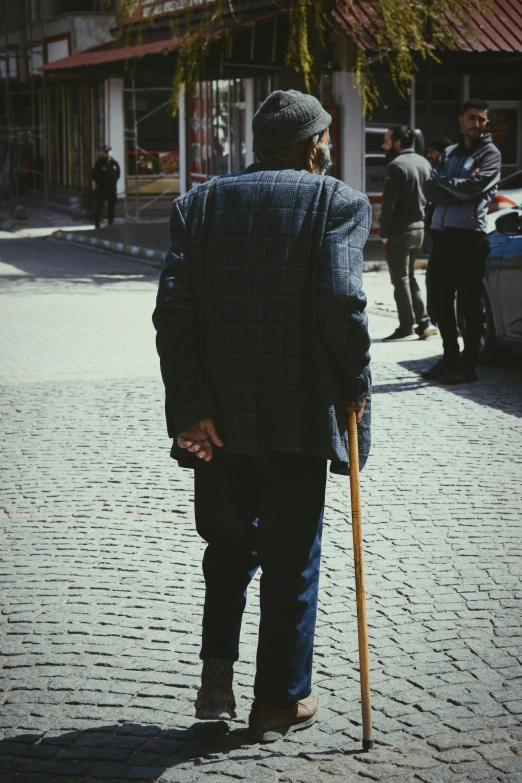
(402, 33)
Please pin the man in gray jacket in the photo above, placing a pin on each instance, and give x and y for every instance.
(402, 229)
(461, 185)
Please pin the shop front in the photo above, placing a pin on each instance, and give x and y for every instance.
(219, 124)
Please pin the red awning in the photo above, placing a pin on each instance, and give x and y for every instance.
(499, 31)
(110, 53)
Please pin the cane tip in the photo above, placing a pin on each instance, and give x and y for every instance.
(367, 744)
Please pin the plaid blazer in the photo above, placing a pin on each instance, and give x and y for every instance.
(260, 312)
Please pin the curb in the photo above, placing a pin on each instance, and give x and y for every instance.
(153, 257)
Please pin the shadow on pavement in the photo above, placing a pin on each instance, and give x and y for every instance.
(497, 387)
(28, 259)
(133, 752)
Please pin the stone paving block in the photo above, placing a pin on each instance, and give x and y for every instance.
(441, 774)
(144, 773)
(475, 770)
(508, 764)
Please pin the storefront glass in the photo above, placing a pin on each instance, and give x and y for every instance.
(217, 129)
(152, 147)
(216, 117)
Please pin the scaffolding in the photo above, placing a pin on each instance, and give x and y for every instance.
(23, 127)
(135, 200)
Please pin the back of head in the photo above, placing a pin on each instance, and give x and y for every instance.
(286, 118)
(440, 143)
(404, 135)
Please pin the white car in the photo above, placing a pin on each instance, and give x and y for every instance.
(509, 193)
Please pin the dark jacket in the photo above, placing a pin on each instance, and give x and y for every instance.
(403, 200)
(462, 197)
(106, 174)
(260, 311)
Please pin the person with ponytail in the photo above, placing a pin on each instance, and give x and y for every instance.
(402, 229)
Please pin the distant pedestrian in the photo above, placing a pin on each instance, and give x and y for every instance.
(461, 185)
(435, 149)
(402, 229)
(105, 174)
(264, 346)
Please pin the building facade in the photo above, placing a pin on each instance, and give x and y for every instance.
(97, 90)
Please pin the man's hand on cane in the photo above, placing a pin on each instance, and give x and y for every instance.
(201, 439)
(351, 407)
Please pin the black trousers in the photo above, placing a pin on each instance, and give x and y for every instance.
(263, 510)
(456, 266)
(103, 196)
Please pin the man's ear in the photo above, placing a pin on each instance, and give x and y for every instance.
(311, 156)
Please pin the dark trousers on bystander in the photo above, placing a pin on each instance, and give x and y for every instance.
(401, 253)
(263, 510)
(103, 196)
(456, 267)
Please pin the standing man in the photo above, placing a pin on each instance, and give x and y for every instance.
(105, 174)
(461, 185)
(402, 229)
(264, 347)
(435, 149)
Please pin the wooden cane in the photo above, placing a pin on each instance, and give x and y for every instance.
(360, 590)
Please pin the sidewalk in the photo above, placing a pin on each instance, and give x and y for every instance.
(151, 240)
(148, 241)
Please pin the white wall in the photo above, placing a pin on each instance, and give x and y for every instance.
(91, 30)
(350, 132)
(183, 150)
(249, 116)
(115, 126)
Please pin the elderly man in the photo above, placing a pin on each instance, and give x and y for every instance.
(264, 347)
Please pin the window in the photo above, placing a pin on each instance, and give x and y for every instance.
(8, 64)
(35, 60)
(57, 49)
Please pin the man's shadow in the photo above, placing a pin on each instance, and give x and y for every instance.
(134, 752)
(497, 387)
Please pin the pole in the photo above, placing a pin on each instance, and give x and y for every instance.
(412, 102)
(360, 590)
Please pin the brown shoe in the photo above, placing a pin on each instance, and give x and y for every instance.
(268, 724)
(215, 701)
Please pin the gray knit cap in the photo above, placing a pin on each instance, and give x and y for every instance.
(286, 118)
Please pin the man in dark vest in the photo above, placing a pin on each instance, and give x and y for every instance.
(264, 347)
(105, 174)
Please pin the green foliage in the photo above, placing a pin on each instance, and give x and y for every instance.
(404, 32)
(305, 14)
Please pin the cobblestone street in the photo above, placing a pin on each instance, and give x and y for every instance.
(100, 571)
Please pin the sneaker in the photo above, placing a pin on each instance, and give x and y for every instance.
(459, 375)
(426, 329)
(215, 701)
(268, 724)
(439, 369)
(399, 334)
